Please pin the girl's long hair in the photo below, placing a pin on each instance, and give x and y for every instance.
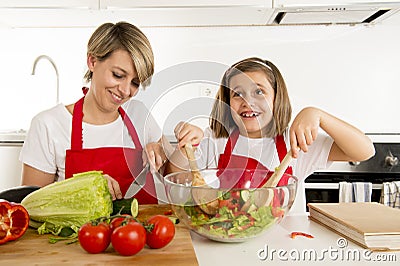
(221, 121)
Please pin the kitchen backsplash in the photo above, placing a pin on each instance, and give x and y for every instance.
(352, 72)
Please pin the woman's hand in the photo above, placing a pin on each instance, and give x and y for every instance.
(113, 187)
(154, 154)
(304, 129)
(188, 133)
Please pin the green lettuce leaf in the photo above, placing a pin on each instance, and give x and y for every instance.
(69, 203)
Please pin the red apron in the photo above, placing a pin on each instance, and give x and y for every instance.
(248, 178)
(121, 163)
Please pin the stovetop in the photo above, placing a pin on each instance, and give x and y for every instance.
(384, 166)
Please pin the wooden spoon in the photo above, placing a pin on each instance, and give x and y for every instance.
(263, 196)
(204, 196)
(279, 171)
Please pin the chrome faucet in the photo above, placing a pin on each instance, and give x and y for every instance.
(55, 68)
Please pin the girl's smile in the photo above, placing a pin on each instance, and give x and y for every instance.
(250, 114)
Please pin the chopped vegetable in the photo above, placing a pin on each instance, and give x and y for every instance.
(174, 219)
(14, 221)
(231, 221)
(245, 195)
(169, 212)
(295, 234)
(69, 203)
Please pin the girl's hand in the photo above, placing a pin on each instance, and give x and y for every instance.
(154, 155)
(188, 133)
(304, 129)
(184, 133)
(113, 187)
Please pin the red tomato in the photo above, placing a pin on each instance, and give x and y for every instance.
(161, 233)
(14, 221)
(235, 194)
(294, 234)
(228, 203)
(129, 239)
(94, 238)
(277, 212)
(117, 221)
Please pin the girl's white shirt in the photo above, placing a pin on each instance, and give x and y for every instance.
(49, 136)
(264, 150)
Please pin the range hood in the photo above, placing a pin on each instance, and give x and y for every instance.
(177, 13)
(311, 12)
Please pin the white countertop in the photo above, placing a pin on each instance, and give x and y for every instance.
(282, 249)
(12, 136)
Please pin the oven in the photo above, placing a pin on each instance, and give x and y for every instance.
(323, 185)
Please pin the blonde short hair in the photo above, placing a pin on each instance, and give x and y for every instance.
(110, 37)
(221, 121)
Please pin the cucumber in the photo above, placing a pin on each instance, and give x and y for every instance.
(244, 195)
(122, 206)
(252, 208)
(173, 219)
(66, 231)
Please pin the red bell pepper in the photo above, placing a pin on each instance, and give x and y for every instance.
(294, 234)
(14, 221)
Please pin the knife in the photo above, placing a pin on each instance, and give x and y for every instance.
(138, 183)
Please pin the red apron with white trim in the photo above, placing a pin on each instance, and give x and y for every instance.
(121, 163)
(248, 178)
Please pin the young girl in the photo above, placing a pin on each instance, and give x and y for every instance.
(249, 128)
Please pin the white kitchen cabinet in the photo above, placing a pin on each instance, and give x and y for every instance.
(183, 3)
(91, 4)
(91, 13)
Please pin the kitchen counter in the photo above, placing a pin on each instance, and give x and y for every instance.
(34, 249)
(275, 247)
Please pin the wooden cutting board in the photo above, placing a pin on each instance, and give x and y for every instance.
(34, 249)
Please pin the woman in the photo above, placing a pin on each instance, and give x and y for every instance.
(94, 133)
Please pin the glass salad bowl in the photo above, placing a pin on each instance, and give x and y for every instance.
(232, 206)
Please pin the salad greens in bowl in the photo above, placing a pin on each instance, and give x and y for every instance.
(232, 206)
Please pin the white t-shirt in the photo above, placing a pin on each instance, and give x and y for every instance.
(49, 136)
(264, 150)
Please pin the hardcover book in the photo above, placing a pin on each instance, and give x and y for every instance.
(369, 224)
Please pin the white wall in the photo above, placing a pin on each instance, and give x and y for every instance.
(352, 72)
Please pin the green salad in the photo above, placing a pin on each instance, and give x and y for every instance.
(231, 220)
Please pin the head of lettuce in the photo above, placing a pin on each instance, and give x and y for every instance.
(69, 203)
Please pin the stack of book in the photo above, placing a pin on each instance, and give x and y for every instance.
(369, 224)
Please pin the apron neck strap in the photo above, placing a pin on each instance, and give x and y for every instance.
(282, 150)
(76, 131)
(77, 118)
(280, 147)
(233, 137)
(131, 129)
